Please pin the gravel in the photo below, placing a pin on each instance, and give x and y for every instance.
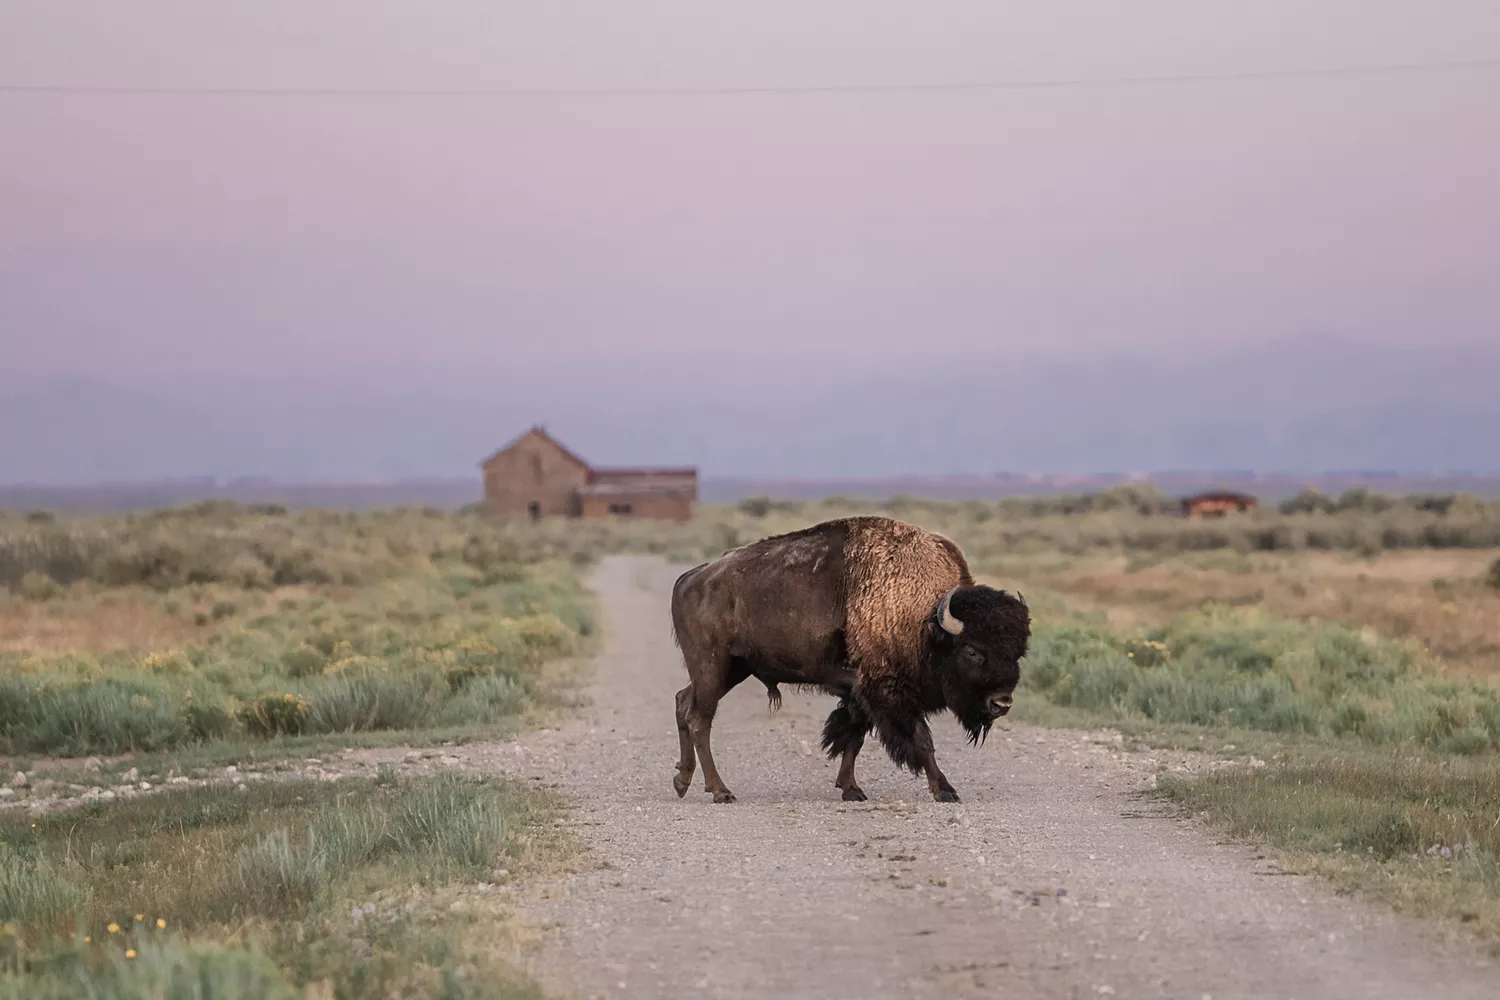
(1054, 877)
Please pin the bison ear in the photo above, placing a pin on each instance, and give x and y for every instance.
(945, 618)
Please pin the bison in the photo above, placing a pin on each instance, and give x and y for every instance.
(881, 614)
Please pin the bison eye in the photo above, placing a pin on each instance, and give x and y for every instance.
(973, 655)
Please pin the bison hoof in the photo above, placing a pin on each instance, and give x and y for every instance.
(723, 796)
(681, 783)
(854, 794)
(945, 795)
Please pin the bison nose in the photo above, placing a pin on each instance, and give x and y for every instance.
(999, 704)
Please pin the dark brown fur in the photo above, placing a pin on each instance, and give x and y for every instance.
(850, 607)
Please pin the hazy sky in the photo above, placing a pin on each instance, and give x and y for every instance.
(458, 237)
(386, 285)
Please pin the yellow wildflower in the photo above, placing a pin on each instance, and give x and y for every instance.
(139, 917)
(113, 928)
(130, 953)
(160, 923)
(88, 940)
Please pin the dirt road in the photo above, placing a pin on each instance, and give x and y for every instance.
(1050, 879)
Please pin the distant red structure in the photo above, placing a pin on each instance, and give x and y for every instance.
(1217, 503)
(537, 476)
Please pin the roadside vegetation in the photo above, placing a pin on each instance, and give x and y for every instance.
(165, 647)
(205, 625)
(331, 889)
(1345, 651)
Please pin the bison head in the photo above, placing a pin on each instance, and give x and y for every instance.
(979, 637)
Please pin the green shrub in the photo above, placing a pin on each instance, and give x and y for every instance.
(105, 715)
(205, 722)
(248, 571)
(1147, 652)
(274, 715)
(360, 700)
(488, 550)
(38, 586)
(305, 660)
(1233, 669)
(485, 699)
(1308, 500)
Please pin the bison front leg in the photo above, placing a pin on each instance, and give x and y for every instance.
(937, 782)
(907, 739)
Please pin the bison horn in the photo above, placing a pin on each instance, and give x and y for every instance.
(950, 624)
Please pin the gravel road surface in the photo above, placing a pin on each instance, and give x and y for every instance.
(1054, 877)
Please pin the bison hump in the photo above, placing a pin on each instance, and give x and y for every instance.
(897, 572)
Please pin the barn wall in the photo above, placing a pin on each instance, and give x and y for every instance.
(662, 508)
(1218, 508)
(532, 471)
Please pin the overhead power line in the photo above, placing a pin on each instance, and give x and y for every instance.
(850, 88)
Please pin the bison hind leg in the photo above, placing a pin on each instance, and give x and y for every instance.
(687, 762)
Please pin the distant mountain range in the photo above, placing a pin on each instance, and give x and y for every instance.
(454, 493)
(1300, 406)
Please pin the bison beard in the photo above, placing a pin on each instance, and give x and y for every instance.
(972, 716)
(880, 614)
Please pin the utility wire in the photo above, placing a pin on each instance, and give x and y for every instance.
(853, 88)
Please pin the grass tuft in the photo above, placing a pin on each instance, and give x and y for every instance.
(33, 890)
(365, 700)
(277, 873)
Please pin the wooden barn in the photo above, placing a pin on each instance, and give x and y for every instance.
(536, 476)
(1217, 503)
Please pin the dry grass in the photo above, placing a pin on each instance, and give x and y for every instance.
(342, 889)
(1413, 831)
(104, 626)
(214, 623)
(1433, 596)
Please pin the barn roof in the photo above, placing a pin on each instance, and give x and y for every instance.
(539, 432)
(620, 474)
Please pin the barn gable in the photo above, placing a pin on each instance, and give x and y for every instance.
(539, 434)
(536, 475)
